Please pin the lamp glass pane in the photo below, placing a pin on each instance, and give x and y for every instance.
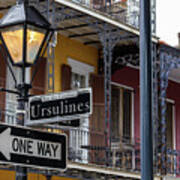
(35, 38)
(13, 38)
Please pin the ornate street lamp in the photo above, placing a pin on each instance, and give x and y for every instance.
(24, 32)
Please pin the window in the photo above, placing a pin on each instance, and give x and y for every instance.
(170, 135)
(121, 113)
(170, 131)
(169, 125)
(78, 81)
(80, 73)
(115, 112)
(127, 113)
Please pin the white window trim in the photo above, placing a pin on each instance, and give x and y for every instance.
(170, 101)
(81, 68)
(122, 86)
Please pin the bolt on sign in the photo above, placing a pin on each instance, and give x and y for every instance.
(27, 147)
(58, 107)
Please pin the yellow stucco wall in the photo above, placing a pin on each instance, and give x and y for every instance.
(65, 48)
(74, 49)
(62, 178)
(7, 175)
(10, 175)
(32, 176)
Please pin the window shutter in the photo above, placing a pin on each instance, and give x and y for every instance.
(97, 122)
(115, 111)
(2, 83)
(65, 77)
(97, 83)
(65, 83)
(39, 83)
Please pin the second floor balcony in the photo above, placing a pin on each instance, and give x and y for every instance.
(125, 11)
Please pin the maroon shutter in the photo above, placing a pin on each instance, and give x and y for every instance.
(66, 82)
(97, 122)
(2, 83)
(39, 83)
(65, 77)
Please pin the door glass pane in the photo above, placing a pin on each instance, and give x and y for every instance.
(82, 81)
(169, 130)
(115, 103)
(78, 81)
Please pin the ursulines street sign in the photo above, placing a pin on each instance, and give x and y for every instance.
(27, 147)
(58, 107)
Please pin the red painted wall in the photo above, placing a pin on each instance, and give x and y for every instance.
(130, 77)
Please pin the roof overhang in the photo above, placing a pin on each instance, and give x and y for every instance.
(78, 28)
(102, 17)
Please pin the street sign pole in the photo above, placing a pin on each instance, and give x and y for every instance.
(146, 91)
(21, 172)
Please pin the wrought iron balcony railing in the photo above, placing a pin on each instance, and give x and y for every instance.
(126, 11)
(88, 147)
(123, 154)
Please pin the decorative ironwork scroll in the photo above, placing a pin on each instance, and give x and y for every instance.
(169, 60)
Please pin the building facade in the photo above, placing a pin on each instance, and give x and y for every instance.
(97, 46)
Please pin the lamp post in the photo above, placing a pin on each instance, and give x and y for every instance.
(25, 34)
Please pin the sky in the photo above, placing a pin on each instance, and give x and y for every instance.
(168, 20)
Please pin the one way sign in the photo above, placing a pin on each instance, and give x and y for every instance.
(27, 147)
